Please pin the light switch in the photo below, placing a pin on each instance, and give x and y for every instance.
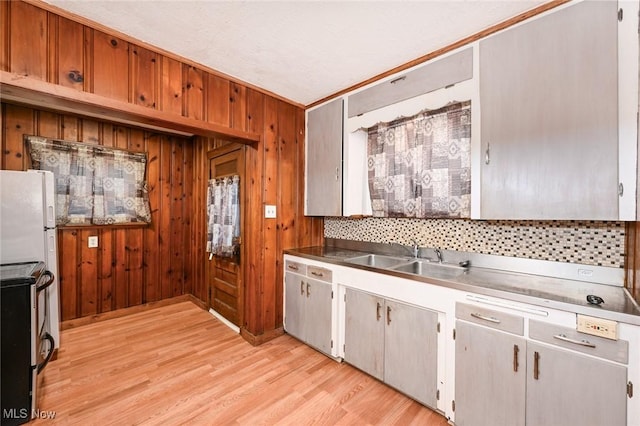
(92, 242)
(270, 212)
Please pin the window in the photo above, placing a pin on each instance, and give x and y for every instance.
(94, 184)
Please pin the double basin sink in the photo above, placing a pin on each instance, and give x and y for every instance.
(413, 266)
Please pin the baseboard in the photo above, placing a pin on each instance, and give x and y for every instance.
(78, 322)
(225, 321)
(257, 340)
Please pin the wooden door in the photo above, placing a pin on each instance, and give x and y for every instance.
(364, 332)
(225, 274)
(490, 377)
(411, 351)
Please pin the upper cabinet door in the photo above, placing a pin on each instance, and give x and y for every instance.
(323, 177)
(549, 117)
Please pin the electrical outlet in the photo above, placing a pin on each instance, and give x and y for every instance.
(270, 212)
(597, 327)
(92, 242)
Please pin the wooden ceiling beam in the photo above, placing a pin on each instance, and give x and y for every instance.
(23, 90)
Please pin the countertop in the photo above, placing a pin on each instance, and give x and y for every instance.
(538, 290)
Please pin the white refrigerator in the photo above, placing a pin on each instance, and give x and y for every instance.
(28, 231)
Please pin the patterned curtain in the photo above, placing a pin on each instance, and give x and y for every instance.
(420, 166)
(120, 192)
(94, 185)
(223, 212)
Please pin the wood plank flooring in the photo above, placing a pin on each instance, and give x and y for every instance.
(177, 364)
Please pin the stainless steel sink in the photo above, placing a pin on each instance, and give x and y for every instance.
(377, 260)
(430, 269)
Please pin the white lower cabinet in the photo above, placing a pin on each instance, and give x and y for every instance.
(394, 342)
(503, 378)
(308, 307)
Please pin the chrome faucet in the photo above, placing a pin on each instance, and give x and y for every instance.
(438, 254)
(416, 248)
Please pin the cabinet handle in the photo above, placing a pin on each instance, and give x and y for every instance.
(337, 173)
(515, 358)
(482, 317)
(564, 338)
(317, 274)
(487, 152)
(388, 315)
(536, 365)
(302, 288)
(308, 292)
(378, 306)
(293, 267)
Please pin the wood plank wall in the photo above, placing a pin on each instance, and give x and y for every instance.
(134, 266)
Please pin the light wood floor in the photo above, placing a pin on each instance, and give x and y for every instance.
(177, 364)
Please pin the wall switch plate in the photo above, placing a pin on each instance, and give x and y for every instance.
(597, 327)
(92, 242)
(269, 211)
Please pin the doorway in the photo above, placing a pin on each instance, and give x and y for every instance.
(226, 293)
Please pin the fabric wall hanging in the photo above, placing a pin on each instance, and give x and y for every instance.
(94, 184)
(420, 166)
(223, 213)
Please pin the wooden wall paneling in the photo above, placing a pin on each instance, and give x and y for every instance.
(48, 124)
(135, 238)
(151, 258)
(218, 100)
(238, 105)
(198, 227)
(68, 267)
(145, 76)
(121, 277)
(110, 66)
(4, 35)
(253, 232)
(70, 128)
(18, 121)
(87, 277)
(164, 231)
(90, 131)
(171, 91)
(107, 241)
(187, 245)
(66, 41)
(632, 260)
(287, 195)
(28, 40)
(177, 217)
(106, 270)
(194, 93)
(270, 227)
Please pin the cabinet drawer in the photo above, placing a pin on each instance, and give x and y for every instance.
(296, 267)
(490, 318)
(321, 274)
(614, 350)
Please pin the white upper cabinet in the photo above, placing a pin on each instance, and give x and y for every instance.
(323, 160)
(554, 97)
(434, 75)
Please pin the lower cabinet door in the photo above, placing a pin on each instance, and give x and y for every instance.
(567, 388)
(364, 332)
(295, 294)
(490, 377)
(318, 315)
(411, 351)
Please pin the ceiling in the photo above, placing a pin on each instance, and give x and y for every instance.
(301, 50)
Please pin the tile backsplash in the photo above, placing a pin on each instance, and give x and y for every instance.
(584, 242)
